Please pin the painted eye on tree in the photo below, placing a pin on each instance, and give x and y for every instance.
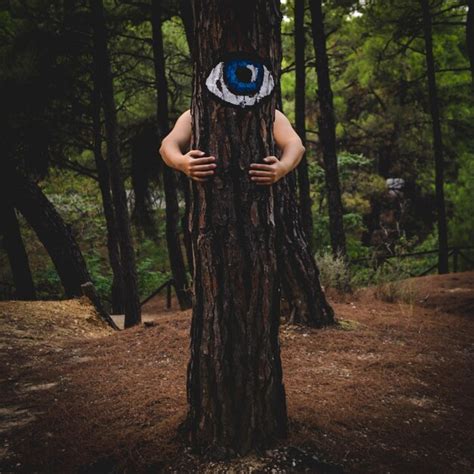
(239, 81)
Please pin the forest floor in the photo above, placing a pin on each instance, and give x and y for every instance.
(388, 390)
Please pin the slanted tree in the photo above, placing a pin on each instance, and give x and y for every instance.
(437, 140)
(235, 390)
(327, 131)
(103, 76)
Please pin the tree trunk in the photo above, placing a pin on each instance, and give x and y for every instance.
(16, 253)
(118, 289)
(52, 231)
(437, 141)
(470, 36)
(185, 224)
(169, 175)
(327, 131)
(105, 85)
(296, 265)
(235, 390)
(300, 115)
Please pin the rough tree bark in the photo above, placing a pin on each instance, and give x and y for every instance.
(235, 390)
(327, 131)
(170, 180)
(16, 253)
(437, 141)
(297, 268)
(300, 115)
(104, 185)
(103, 71)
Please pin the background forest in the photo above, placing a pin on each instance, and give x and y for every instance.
(54, 133)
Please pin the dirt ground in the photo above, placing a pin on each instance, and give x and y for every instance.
(388, 390)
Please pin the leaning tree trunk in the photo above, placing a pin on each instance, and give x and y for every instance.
(118, 289)
(297, 268)
(235, 390)
(437, 141)
(15, 250)
(170, 181)
(300, 115)
(52, 231)
(327, 131)
(103, 77)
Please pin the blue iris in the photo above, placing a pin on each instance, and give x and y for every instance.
(243, 76)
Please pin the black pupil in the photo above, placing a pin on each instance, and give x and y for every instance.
(244, 74)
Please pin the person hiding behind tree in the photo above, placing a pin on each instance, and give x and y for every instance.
(196, 165)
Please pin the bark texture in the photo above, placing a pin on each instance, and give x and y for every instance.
(327, 131)
(298, 271)
(437, 141)
(235, 390)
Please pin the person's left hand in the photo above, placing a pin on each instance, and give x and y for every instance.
(268, 173)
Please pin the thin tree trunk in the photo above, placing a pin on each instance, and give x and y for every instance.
(118, 289)
(327, 131)
(437, 141)
(235, 390)
(105, 85)
(16, 253)
(470, 36)
(297, 268)
(300, 115)
(169, 175)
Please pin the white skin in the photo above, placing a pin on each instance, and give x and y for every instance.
(174, 151)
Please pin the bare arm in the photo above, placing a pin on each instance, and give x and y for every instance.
(175, 152)
(289, 142)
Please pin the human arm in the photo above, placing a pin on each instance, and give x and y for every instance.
(173, 151)
(289, 142)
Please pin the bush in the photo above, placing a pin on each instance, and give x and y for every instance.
(334, 271)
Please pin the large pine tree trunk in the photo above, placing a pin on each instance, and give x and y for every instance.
(169, 175)
(104, 185)
(16, 253)
(297, 268)
(300, 115)
(235, 390)
(437, 141)
(103, 70)
(327, 131)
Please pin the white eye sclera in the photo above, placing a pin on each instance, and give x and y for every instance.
(239, 81)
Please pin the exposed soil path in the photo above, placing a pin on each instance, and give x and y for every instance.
(388, 390)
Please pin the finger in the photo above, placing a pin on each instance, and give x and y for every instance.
(271, 159)
(202, 167)
(202, 173)
(196, 153)
(262, 180)
(264, 183)
(261, 173)
(201, 180)
(261, 166)
(201, 161)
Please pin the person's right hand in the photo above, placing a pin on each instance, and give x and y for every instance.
(197, 167)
